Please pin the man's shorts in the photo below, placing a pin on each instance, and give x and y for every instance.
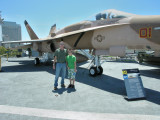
(71, 74)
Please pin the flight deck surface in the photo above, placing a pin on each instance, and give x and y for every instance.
(26, 92)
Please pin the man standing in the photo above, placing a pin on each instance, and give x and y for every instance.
(60, 60)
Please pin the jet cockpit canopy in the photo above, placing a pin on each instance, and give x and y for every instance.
(112, 14)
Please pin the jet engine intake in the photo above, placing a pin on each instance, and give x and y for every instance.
(52, 47)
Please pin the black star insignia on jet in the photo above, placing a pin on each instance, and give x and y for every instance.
(99, 38)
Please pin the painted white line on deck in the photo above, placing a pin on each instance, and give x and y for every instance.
(72, 115)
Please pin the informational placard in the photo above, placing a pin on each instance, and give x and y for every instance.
(133, 84)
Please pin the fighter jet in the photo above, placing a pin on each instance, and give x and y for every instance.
(109, 33)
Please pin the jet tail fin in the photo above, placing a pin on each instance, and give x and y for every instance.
(30, 31)
(52, 30)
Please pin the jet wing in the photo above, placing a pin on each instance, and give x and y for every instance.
(22, 47)
(86, 30)
(63, 34)
(28, 41)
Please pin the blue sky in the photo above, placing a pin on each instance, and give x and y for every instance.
(42, 14)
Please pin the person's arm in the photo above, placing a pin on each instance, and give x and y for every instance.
(54, 62)
(67, 63)
(55, 59)
(75, 65)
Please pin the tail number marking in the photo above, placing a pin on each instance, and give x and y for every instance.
(145, 32)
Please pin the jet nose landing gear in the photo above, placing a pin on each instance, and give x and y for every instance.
(94, 71)
(96, 68)
(99, 70)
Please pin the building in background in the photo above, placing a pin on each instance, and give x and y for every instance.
(11, 32)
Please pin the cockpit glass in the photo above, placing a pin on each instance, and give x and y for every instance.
(110, 14)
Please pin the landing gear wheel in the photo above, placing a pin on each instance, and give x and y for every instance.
(36, 61)
(93, 71)
(100, 70)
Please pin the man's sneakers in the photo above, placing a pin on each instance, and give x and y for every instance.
(63, 85)
(71, 86)
(55, 88)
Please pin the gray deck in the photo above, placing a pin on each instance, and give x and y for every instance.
(23, 85)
